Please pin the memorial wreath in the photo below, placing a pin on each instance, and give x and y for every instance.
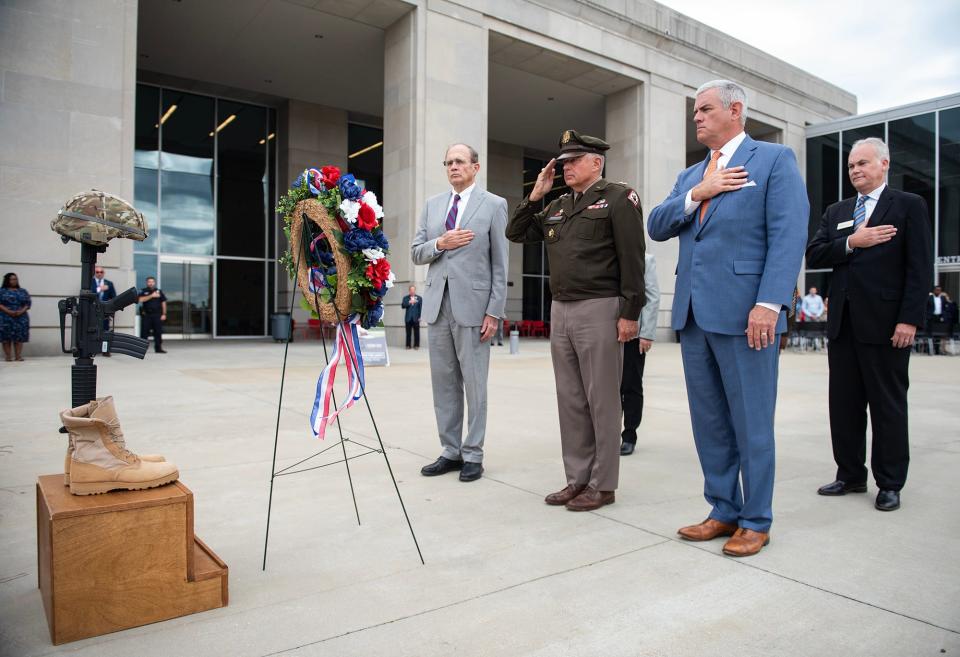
(338, 256)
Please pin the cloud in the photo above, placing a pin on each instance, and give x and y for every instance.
(888, 56)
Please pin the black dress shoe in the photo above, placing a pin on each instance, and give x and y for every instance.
(161, 351)
(440, 466)
(626, 449)
(888, 500)
(839, 487)
(471, 471)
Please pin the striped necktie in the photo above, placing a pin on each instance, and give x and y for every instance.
(860, 212)
(452, 215)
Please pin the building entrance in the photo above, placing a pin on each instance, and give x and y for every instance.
(188, 285)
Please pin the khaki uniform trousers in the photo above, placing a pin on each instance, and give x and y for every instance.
(587, 363)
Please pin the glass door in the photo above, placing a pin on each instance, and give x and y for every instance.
(188, 286)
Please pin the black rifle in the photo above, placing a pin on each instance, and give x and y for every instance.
(87, 332)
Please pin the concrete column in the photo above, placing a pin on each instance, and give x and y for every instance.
(504, 167)
(66, 124)
(435, 94)
(665, 153)
(309, 136)
(624, 132)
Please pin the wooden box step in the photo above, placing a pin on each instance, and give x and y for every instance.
(123, 559)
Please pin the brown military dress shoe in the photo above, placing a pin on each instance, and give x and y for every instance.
(707, 530)
(561, 497)
(745, 543)
(591, 499)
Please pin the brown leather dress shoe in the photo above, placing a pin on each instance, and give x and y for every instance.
(561, 497)
(707, 530)
(591, 500)
(745, 543)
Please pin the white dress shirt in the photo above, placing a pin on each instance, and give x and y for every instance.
(461, 206)
(869, 205)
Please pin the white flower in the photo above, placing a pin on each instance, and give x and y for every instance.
(390, 279)
(350, 210)
(372, 255)
(371, 199)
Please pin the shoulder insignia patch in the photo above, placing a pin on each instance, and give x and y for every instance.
(633, 198)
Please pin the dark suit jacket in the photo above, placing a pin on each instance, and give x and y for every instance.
(885, 284)
(109, 293)
(931, 307)
(412, 313)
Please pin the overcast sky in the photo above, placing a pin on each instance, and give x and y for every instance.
(887, 52)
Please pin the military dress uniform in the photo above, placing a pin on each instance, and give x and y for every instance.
(596, 248)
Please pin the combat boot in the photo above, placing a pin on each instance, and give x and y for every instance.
(99, 464)
(106, 403)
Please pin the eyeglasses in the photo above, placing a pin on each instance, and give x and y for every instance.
(98, 271)
(458, 162)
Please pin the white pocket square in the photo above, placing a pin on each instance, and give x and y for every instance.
(751, 183)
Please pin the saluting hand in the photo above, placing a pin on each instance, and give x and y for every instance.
(544, 181)
(721, 180)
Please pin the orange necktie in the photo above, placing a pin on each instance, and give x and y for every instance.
(710, 169)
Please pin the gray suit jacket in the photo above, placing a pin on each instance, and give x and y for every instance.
(648, 315)
(476, 273)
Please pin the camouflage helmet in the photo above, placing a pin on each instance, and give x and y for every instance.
(96, 217)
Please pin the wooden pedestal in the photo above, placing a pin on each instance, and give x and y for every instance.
(115, 561)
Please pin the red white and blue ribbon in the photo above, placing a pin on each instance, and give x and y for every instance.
(346, 347)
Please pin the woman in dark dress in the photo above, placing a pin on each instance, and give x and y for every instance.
(14, 320)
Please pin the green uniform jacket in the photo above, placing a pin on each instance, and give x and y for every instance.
(595, 248)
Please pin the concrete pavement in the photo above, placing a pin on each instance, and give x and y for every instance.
(505, 575)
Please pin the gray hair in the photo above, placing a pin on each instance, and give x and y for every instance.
(730, 92)
(474, 155)
(879, 147)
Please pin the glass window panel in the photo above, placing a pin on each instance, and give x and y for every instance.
(849, 137)
(912, 143)
(240, 297)
(172, 279)
(242, 172)
(532, 297)
(949, 237)
(145, 200)
(271, 180)
(186, 213)
(144, 264)
(532, 258)
(823, 176)
(147, 138)
(950, 282)
(365, 146)
(187, 142)
(197, 305)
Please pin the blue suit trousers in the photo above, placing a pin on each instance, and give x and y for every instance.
(732, 392)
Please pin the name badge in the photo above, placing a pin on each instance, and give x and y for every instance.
(845, 224)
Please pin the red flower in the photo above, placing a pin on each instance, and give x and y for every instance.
(378, 272)
(366, 218)
(330, 176)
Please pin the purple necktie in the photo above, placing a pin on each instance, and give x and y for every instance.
(452, 215)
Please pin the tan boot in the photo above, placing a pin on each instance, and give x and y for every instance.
(110, 414)
(101, 464)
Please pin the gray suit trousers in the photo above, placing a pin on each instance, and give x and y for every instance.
(459, 364)
(587, 364)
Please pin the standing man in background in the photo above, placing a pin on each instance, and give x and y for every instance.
(594, 238)
(635, 356)
(153, 311)
(411, 317)
(461, 236)
(879, 246)
(812, 306)
(105, 291)
(741, 217)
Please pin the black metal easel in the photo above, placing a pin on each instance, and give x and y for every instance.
(289, 470)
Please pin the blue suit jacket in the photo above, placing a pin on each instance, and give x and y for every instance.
(749, 247)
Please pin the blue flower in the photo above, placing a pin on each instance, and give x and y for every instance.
(373, 316)
(349, 188)
(381, 239)
(357, 240)
(379, 291)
